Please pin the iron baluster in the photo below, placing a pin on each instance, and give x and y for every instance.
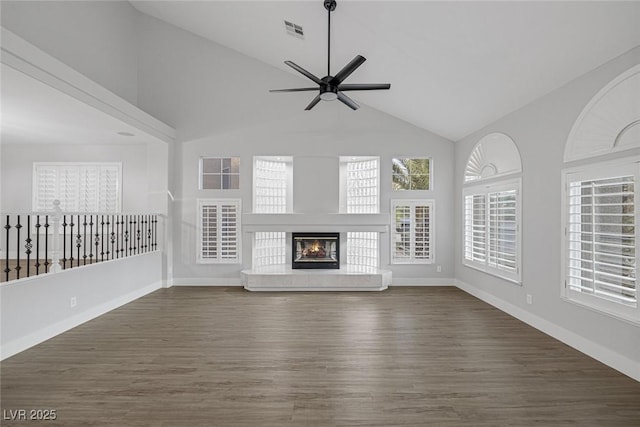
(28, 245)
(18, 266)
(38, 244)
(78, 241)
(7, 227)
(84, 240)
(64, 242)
(46, 243)
(71, 242)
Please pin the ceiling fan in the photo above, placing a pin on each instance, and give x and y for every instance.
(332, 87)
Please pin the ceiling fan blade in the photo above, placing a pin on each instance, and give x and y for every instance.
(347, 101)
(348, 69)
(304, 72)
(298, 89)
(313, 103)
(365, 86)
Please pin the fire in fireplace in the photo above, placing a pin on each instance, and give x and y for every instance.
(316, 250)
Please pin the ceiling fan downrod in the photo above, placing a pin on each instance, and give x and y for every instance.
(332, 87)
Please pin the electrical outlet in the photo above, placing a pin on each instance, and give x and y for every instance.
(529, 299)
(439, 269)
(73, 302)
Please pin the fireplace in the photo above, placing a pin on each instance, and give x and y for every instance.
(316, 250)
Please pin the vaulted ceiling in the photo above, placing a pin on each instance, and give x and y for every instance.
(453, 66)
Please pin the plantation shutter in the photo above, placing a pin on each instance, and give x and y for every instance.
(79, 187)
(475, 228)
(492, 229)
(219, 231)
(502, 230)
(601, 238)
(412, 231)
(45, 188)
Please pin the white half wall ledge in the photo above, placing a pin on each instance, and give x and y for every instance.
(610, 358)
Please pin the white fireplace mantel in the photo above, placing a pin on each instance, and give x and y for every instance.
(320, 222)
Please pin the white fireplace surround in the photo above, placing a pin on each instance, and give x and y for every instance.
(284, 278)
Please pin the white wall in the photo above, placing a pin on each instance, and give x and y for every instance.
(218, 101)
(38, 308)
(97, 38)
(540, 131)
(16, 171)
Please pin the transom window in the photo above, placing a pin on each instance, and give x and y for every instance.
(411, 173)
(220, 173)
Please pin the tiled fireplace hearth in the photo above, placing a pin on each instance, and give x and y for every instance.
(316, 258)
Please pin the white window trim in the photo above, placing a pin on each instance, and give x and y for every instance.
(201, 173)
(214, 201)
(598, 170)
(432, 238)
(36, 165)
(484, 188)
(415, 192)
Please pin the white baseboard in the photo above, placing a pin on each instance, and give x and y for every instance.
(610, 358)
(208, 281)
(16, 346)
(408, 281)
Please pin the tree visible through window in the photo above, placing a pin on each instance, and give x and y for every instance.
(411, 173)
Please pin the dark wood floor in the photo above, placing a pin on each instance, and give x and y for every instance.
(226, 357)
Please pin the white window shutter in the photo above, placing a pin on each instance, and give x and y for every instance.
(503, 230)
(412, 232)
(219, 231)
(602, 239)
(86, 187)
(45, 187)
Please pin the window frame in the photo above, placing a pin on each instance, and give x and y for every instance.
(412, 260)
(595, 171)
(219, 202)
(35, 199)
(201, 173)
(431, 174)
(485, 189)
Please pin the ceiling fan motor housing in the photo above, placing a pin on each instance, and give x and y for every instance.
(330, 5)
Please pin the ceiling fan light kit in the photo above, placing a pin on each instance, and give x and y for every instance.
(331, 87)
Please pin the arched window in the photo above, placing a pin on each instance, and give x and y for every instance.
(491, 207)
(600, 245)
(610, 122)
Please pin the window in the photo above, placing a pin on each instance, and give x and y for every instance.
(80, 187)
(491, 229)
(219, 231)
(411, 174)
(220, 173)
(269, 248)
(362, 248)
(272, 184)
(412, 231)
(600, 238)
(361, 182)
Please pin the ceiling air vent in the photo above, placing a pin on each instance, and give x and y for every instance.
(294, 30)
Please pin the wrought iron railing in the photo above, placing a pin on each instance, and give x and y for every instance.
(44, 242)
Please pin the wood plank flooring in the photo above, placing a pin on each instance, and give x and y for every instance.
(227, 357)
